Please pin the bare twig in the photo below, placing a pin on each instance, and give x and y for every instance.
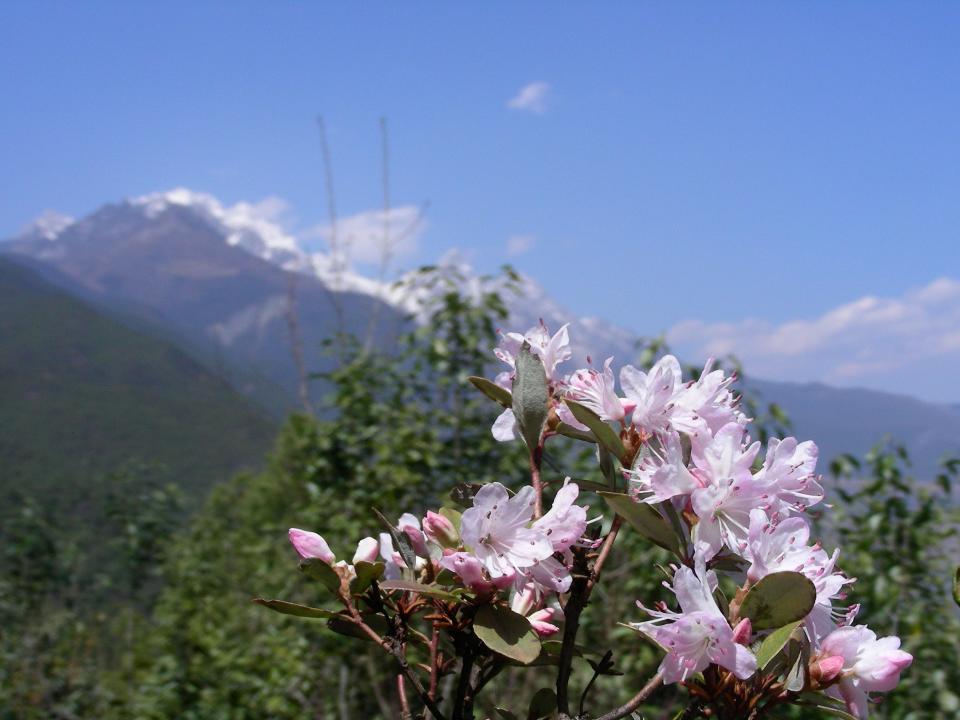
(336, 256)
(296, 343)
(635, 701)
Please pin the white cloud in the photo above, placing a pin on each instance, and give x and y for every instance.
(366, 238)
(532, 98)
(868, 341)
(520, 244)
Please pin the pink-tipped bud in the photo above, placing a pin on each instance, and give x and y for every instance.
(368, 550)
(826, 669)
(440, 530)
(540, 621)
(310, 545)
(525, 600)
(743, 632)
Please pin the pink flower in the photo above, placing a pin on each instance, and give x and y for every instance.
(707, 404)
(788, 475)
(497, 530)
(651, 394)
(552, 350)
(869, 664)
(541, 621)
(596, 390)
(699, 634)
(728, 491)
(565, 522)
(473, 574)
(310, 545)
(661, 473)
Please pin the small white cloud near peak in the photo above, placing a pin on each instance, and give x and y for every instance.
(520, 244)
(531, 98)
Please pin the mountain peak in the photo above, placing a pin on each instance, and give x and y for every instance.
(47, 226)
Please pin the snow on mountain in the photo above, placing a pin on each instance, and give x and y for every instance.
(48, 226)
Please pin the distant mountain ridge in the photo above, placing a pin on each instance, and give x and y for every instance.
(230, 280)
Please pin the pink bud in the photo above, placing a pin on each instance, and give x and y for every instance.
(827, 668)
(368, 550)
(411, 528)
(310, 545)
(525, 600)
(743, 632)
(440, 530)
(540, 621)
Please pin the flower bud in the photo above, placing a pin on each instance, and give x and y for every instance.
(743, 632)
(310, 545)
(524, 600)
(367, 550)
(540, 621)
(826, 669)
(440, 530)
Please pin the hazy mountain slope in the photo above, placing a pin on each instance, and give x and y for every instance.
(82, 394)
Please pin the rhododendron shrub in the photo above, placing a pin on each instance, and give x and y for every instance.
(500, 577)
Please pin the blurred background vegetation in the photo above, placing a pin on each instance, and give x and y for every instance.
(126, 578)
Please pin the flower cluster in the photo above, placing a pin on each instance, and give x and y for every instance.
(695, 456)
(498, 546)
(682, 470)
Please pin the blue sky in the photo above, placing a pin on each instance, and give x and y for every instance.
(733, 174)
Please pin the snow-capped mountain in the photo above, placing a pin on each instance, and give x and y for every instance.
(243, 293)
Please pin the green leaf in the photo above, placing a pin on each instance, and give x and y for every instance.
(607, 467)
(492, 390)
(317, 569)
(575, 433)
(956, 586)
(604, 433)
(543, 704)
(367, 572)
(531, 399)
(421, 589)
(507, 633)
(289, 608)
(774, 643)
(645, 520)
(779, 599)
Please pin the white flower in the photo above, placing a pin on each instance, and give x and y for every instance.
(661, 473)
(565, 522)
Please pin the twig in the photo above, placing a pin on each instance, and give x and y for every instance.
(463, 684)
(536, 456)
(405, 713)
(635, 701)
(405, 668)
(579, 595)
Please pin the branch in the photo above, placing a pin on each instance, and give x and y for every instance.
(635, 701)
(579, 595)
(405, 668)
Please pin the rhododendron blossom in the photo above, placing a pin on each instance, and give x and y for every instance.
(869, 664)
(699, 634)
